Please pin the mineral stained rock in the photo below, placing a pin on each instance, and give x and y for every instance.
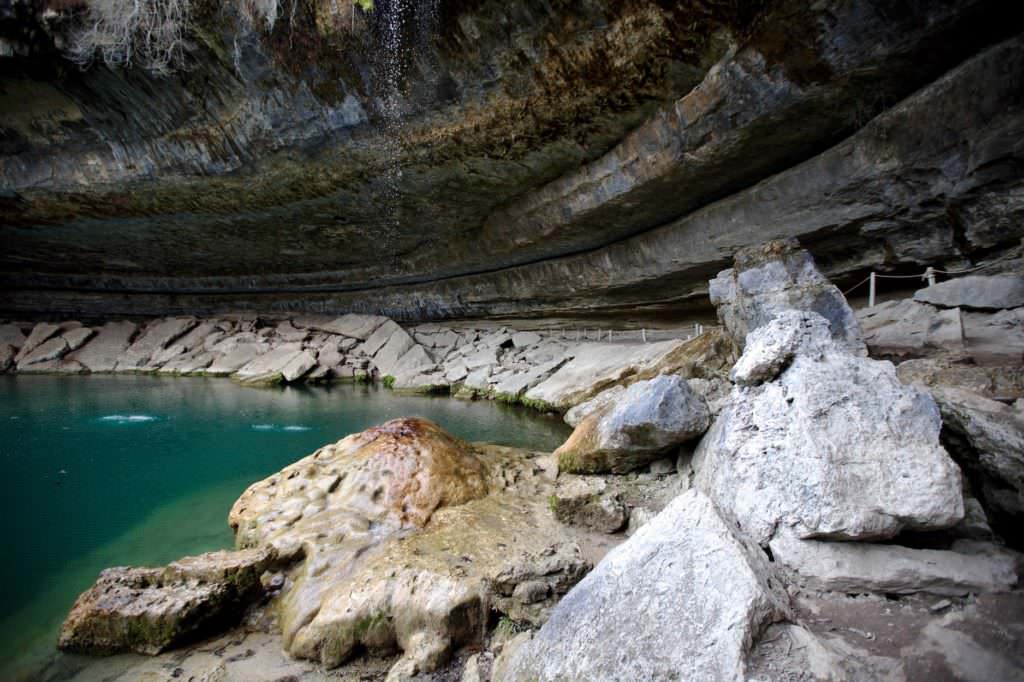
(148, 610)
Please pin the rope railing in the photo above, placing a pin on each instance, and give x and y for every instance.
(643, 335)
(928, 275)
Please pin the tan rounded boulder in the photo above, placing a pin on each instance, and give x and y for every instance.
(399, 472)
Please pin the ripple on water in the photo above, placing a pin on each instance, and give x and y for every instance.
(128, 418)
(280, 427)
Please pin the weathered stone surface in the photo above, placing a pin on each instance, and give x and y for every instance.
(76, 338)
(595, 367)
(774, 277)
(1005, 382)
(523, 339)
(232, 354)
(148, 610)
(647, 420)
(269, 367)
(980, 292)
(684, 596)
(48, 350)
(585, 501)
(39, 334)
(11, 335)
(400, 471)
(380, 337)
(607, 397)
(190, 341)
(7, 354)
(854, 567)
(503, 552)
(353, 326)
(517, 384)
(153, 339)
(909, 327)
(987, 439)
(413, 364)
(298, 366)
(834, 446)
(102, 352)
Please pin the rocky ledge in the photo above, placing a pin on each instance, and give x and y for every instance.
(812, 517)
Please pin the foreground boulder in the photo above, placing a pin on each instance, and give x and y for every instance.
(683, 598)
(636, 427)
(825, 442)
(148, 610)
(774, 277)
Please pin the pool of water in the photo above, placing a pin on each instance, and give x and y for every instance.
(137, 470)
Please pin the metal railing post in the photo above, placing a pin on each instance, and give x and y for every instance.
(871, 290)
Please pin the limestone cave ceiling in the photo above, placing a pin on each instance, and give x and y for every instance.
(522, 157)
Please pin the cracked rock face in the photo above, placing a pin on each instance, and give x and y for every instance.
(828, 444)
(685, 593)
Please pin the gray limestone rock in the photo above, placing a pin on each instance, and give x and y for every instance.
(986, 438)
(102, 352)
(855, 567)
(7, 353)
(40, 333)
(979, 292)
(524, 339)
(777, 276)
(834, 446)
(353, 326)
(683, 598)
(647, 420)
(76, 338)
(577, 414)
(269, 367)
(380, 336)
(298, 366)
(10, 335)
(51, 349)
(157, 336)
(595, 367)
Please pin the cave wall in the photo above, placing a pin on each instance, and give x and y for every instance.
(536, 159)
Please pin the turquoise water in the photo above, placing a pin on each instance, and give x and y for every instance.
(115, 470)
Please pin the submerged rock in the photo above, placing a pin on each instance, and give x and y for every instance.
(636, 427)
(148, 610)
(684, 597)
(774, 277)
(833, 446)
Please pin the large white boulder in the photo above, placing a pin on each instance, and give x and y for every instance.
(829, 444)
(683, 598)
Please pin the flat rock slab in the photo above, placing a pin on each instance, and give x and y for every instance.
(980, 292)
(51, 349)
(352, 325)
(102, 352)
(595, 367)
(76, 338)
(39, 334)
(683, 598)
(155, 338)
(855, 567)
